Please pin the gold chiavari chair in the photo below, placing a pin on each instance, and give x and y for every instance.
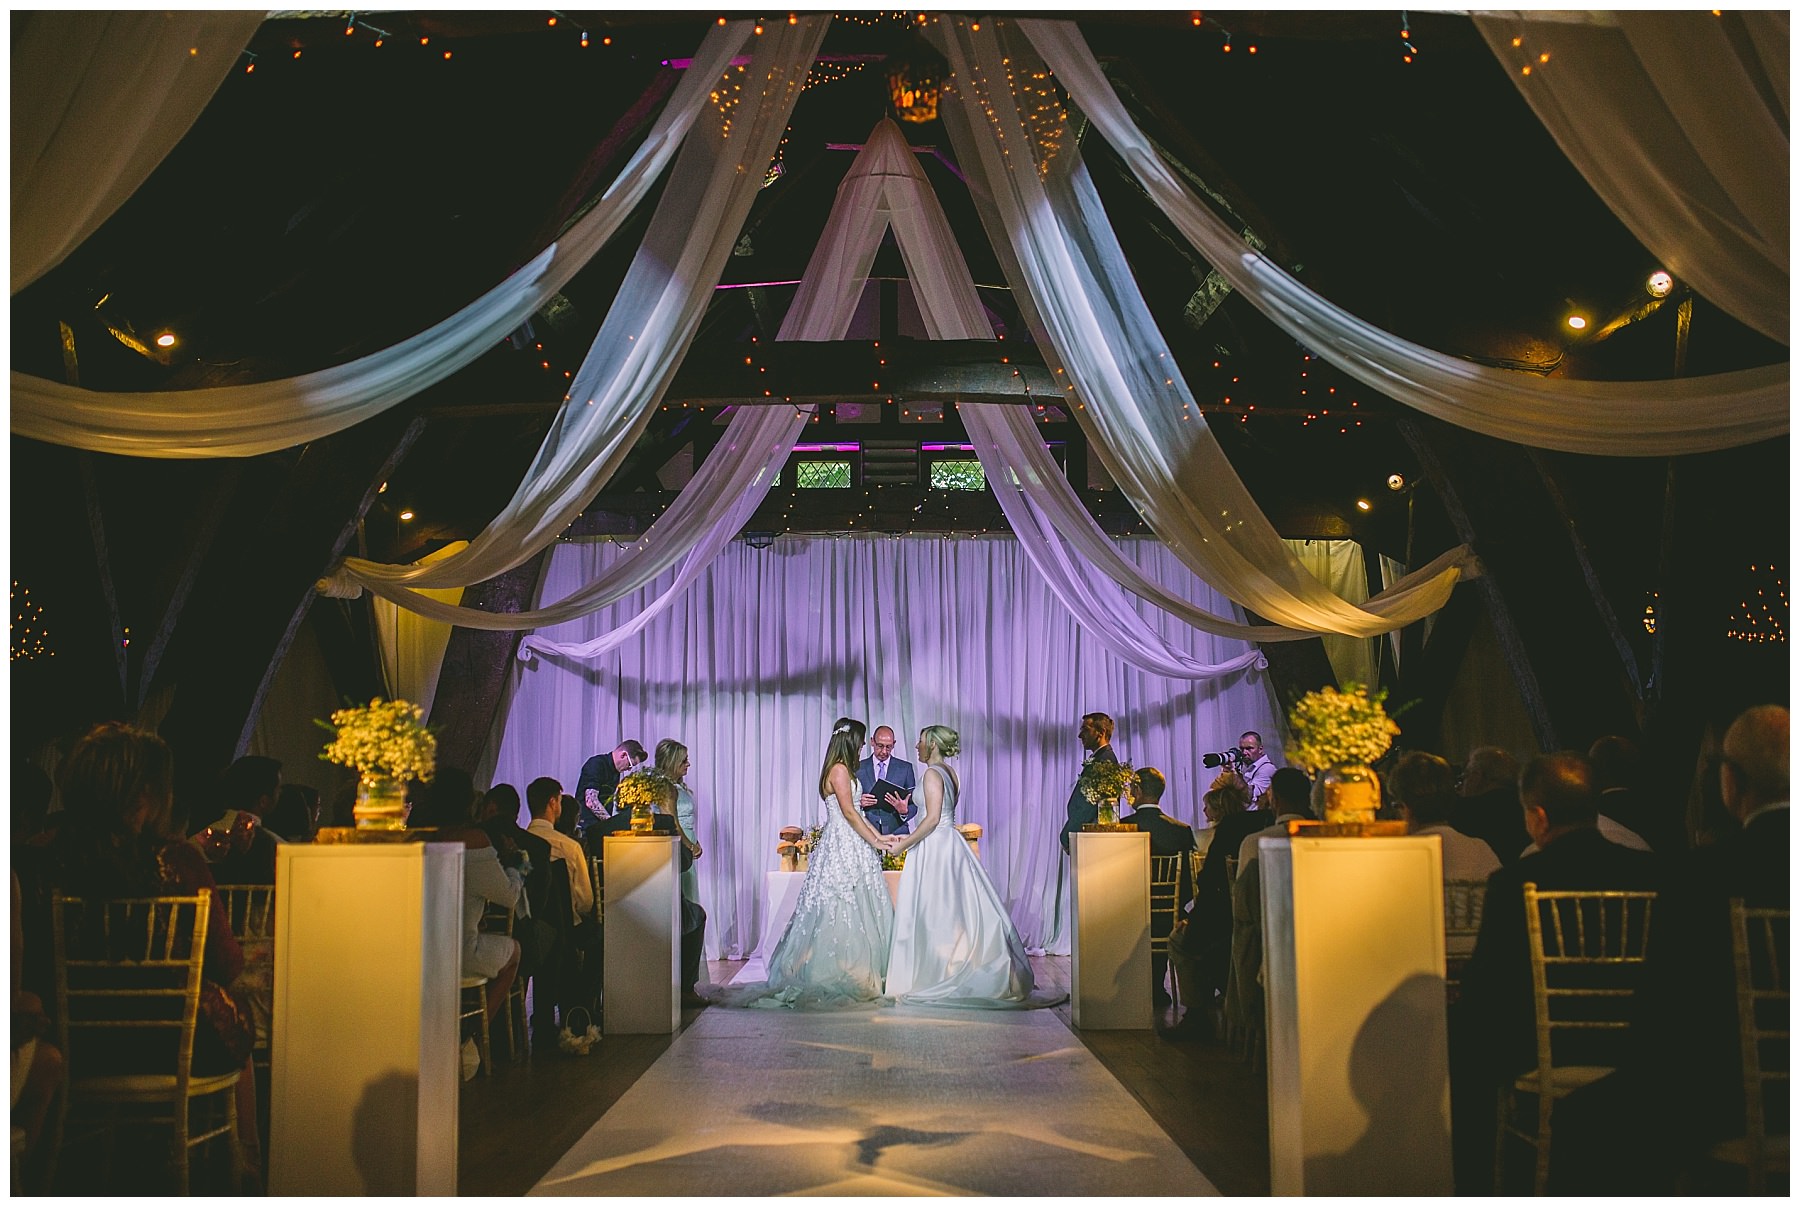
(128, 983)
(250, 911)
(1463, 901)
(1165, 908)
(1587, 956)
(472, 1007)
(498, 920)
(1759, 945)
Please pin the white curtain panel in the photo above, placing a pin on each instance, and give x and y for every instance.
(413, 646)
(98, 100)
(1683, 133)
(1638, 418)
(247, 420)
(752, 664)
(1340, 566)
(1092, 325)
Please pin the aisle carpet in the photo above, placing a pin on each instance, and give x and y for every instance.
(899, 1101)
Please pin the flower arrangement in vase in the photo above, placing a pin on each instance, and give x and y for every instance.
(386, 743)
(642, 792)
(1104, 783)
(1339, 733)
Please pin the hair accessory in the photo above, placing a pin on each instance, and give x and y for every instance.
(840, 729)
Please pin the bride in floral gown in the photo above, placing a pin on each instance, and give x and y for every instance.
(833, 954)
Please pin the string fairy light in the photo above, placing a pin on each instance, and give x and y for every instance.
(30, 637)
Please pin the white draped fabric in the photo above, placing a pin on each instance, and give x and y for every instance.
(1647, 418)
(652, 320)
(751, 665)
(98, 100)
(1681, 132)
(1091, 323)
(412, 646)
(247, 420)
(1340, 566)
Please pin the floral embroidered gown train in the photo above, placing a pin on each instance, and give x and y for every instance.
(835, 949)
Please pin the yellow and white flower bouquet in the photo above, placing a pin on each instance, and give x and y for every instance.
(384, 738)
(1331, 727)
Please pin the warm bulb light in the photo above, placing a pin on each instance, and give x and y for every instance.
(166, 340)
(1577, 323)
(1659, 285)
(407, 514)
(1362, 505)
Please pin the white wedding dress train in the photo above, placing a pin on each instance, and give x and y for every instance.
(954, 942)
(833, 954)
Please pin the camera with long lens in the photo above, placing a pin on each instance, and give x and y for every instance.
(1233, 758)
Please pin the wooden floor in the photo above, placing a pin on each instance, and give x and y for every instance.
(516, 1123)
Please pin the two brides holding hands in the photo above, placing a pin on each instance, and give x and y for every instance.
(947, 942)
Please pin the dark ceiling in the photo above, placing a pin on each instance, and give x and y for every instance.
(342, 195)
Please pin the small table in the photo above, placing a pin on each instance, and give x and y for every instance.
(1109, 974)
(642, 960)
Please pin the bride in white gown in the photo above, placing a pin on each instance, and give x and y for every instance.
(834, 951)
(954, 943)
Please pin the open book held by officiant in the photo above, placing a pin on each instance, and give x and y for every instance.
(882, 814)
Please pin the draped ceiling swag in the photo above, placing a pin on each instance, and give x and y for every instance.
(1063, 263)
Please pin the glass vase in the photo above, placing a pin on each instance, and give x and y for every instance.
(380, 803)
(643, 819)
(1352, 793)
(1109, 813)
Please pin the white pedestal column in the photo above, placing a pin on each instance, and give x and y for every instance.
(1109, 878)
(1359, 1081)
(641, 994)
(365, 1076)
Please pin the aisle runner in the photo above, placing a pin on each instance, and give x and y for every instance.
(896, 1101)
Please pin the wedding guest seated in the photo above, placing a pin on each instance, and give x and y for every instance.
(241, 848)
(1488, 804)
(1681, 1090)
(445, 804)
(38, 1070)
(1168, 836)
(31, 793)
(1493, 1033)
(1618, 774)
(1424, 787)
(1288, 797)
(295, 817)
(116, 839)
(575, 972)
(1206, 940)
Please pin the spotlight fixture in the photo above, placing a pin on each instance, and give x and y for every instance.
(1362, 505)
(1396, 482)
(1577, 322)
(166, 340)
(1660, 284)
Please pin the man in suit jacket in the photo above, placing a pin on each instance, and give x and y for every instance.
(1168, 836)
(882, 765)
(1096, 738)
(600, 775)
(1493, 1036)
(1681, 1087)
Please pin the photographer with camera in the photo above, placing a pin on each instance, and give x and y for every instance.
(1247, 762)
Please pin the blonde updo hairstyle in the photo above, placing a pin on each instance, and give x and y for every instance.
(943, 739)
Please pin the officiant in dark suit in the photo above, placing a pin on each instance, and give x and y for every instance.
(882, 765)
(1096, 739)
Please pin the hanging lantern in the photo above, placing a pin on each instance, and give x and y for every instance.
(913, 83)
